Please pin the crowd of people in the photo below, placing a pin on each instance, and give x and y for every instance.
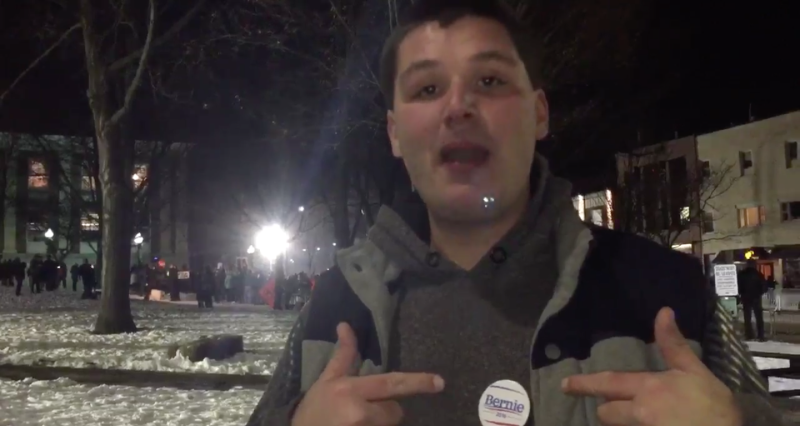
(235, 282)
(47, 274)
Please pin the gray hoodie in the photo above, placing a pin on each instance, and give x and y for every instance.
(529, 312)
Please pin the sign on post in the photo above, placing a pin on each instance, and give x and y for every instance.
(183, 275)
(725, 280)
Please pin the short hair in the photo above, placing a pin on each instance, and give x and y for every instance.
(446, 12)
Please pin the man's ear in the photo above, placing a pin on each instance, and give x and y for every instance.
(542, 115)
(391, 130)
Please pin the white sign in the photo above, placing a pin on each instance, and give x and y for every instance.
(506, 403)
(183, 275)
(725, 280)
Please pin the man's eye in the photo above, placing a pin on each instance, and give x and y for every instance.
(490, 81)
(427, 91)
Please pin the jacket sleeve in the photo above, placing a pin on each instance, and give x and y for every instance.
(277, 405)
(729, 359)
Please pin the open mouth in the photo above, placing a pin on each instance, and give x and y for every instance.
(464, 154)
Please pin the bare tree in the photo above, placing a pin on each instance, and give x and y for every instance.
(667, 199)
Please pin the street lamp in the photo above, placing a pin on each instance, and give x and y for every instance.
(301, 209)
(272, 241)
(251, 249)
(49, 234)
(138, 239)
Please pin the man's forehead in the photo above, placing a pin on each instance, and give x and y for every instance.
(463, 37)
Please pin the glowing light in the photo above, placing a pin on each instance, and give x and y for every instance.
(272, 241)
(49, 234)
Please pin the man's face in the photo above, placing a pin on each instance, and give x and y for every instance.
(466, 118)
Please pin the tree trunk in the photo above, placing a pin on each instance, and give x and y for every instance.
(115, 308)
(114, 161)
(341, 217)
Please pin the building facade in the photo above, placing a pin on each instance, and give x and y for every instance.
(50, 199)
(758, 215)
(595, 208)
(658, 194)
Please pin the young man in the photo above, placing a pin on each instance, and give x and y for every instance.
(494, 304)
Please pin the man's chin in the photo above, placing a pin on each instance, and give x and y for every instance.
(463, 208)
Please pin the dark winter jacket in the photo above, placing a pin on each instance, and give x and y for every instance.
(607, 288)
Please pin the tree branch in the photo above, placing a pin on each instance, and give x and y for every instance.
(163, 38)
(37, 60)
(139, 70)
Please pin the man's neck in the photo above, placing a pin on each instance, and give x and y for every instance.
(466, 244)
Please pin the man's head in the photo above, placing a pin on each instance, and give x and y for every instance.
(465, 105)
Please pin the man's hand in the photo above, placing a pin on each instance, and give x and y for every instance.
(688, 394)
(337, 399)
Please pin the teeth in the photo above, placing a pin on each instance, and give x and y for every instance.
(464, 155)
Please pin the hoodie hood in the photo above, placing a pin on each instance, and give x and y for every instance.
(526, 253)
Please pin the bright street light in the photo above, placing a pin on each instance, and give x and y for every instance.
(49, 234)
(138, 239)
(272, 241)
(251, 250)
(317, 248)
(301, 209)
(334, 244)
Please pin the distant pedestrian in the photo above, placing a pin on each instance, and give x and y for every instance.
(75, 275)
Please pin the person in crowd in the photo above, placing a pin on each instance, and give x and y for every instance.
(227, 283)
(174, 283)
(205, 290)
(481, 297)
(19, 275)
(62, 274)
(88, 277)
(49, 273)
(74, 273)
(752, 286)
(35, 274)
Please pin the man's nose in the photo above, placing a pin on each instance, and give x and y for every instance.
(461, 106)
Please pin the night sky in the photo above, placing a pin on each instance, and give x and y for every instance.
(725, 61)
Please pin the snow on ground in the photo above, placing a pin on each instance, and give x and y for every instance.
(65, 403)
(52, 328)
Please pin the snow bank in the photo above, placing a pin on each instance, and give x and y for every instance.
(53, 329)
(65, 403)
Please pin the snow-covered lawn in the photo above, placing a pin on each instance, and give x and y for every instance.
(65, 403)
(53, 329)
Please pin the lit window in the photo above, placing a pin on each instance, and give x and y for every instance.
(37, 174)
(751, 216)
(90, 222)
(139, 175)
(87, 183)
(685, 214)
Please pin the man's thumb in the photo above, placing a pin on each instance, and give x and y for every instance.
(674, 347)
(345, 354)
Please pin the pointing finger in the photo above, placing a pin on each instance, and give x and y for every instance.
(609, 385)
(397, 385)
(344, 356)
(673, 346)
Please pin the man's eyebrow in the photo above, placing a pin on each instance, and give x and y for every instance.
(494, 56)
(417, 66)
(485, 56)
